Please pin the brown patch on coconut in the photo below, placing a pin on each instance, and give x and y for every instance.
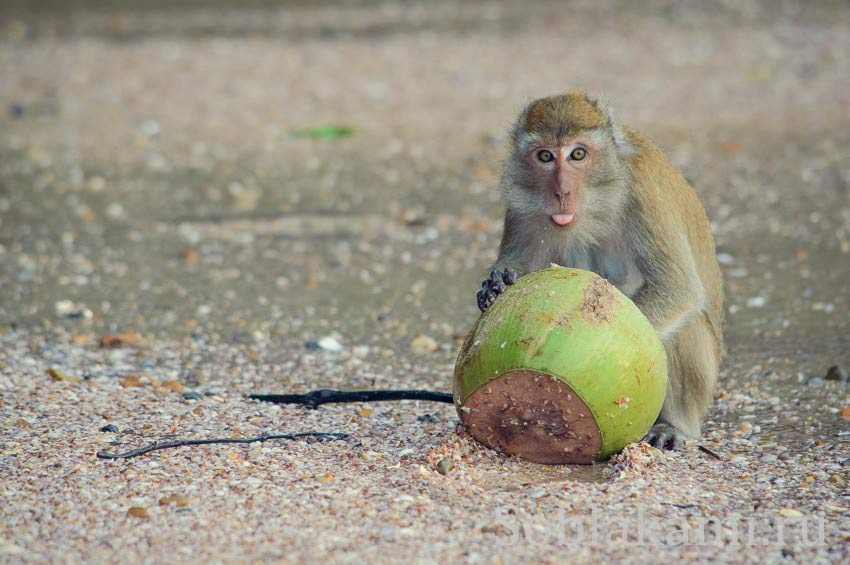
(599, 301)
(535, 416)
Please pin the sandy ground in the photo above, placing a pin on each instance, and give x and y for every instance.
(150, 184)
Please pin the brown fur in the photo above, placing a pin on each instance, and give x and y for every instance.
(572, 111)
(641, 226)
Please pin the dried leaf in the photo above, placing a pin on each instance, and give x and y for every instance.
(58, 376)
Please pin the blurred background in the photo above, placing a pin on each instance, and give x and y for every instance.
(299, 169)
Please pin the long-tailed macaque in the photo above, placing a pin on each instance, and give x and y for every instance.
(584, 192)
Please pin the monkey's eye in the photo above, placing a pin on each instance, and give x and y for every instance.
(545, 156)
(578, 154)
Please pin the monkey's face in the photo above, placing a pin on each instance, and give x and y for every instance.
(566, 184)
(559, 174)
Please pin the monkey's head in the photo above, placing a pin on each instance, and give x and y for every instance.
(566, 169)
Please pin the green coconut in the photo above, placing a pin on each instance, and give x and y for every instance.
(562, 368)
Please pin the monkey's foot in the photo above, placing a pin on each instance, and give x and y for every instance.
(492, 287)
(665, 436)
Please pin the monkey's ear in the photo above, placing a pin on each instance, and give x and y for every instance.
(624, 148)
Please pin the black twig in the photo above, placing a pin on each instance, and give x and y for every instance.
(710, 452)
(315, 398)
(683, 506)
(318, 436)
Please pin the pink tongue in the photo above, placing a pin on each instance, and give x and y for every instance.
(562, 219)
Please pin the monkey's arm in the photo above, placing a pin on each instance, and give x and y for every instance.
(511, 264)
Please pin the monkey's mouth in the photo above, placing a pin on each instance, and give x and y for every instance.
(563, 219)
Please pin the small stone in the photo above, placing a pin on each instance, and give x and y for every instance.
(845, 414)
(116, 211)
(192, 395)
(756, 301)
(150, 128)
(172, 386)
(129, 382)
(190, 257)
(364, 412)
(330, 343)
(138, 512)
(745, 427)
(327, 343)
(69, 309)
(423, 345)
(114, 341)
(175, 499)
(835, 479)
(244, 199)
(111, 428)
(725, 259)
(790, 513)
(836, 373)
(96, 184)
(445, 465)
(656, 454)
(326, 479)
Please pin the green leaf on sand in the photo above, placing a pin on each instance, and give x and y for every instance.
(325, 133)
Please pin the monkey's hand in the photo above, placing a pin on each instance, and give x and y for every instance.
(664, 436)
(492, 287)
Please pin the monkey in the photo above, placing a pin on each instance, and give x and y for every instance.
(582, 191)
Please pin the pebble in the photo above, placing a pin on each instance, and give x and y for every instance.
(192, 395)
(175, 499)
(138, 512)
(836, 373)
(445, 465)
(423, 345)
(70, 309)
(112, 428)
(115, 341)
(130, 382)
(327, 343)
